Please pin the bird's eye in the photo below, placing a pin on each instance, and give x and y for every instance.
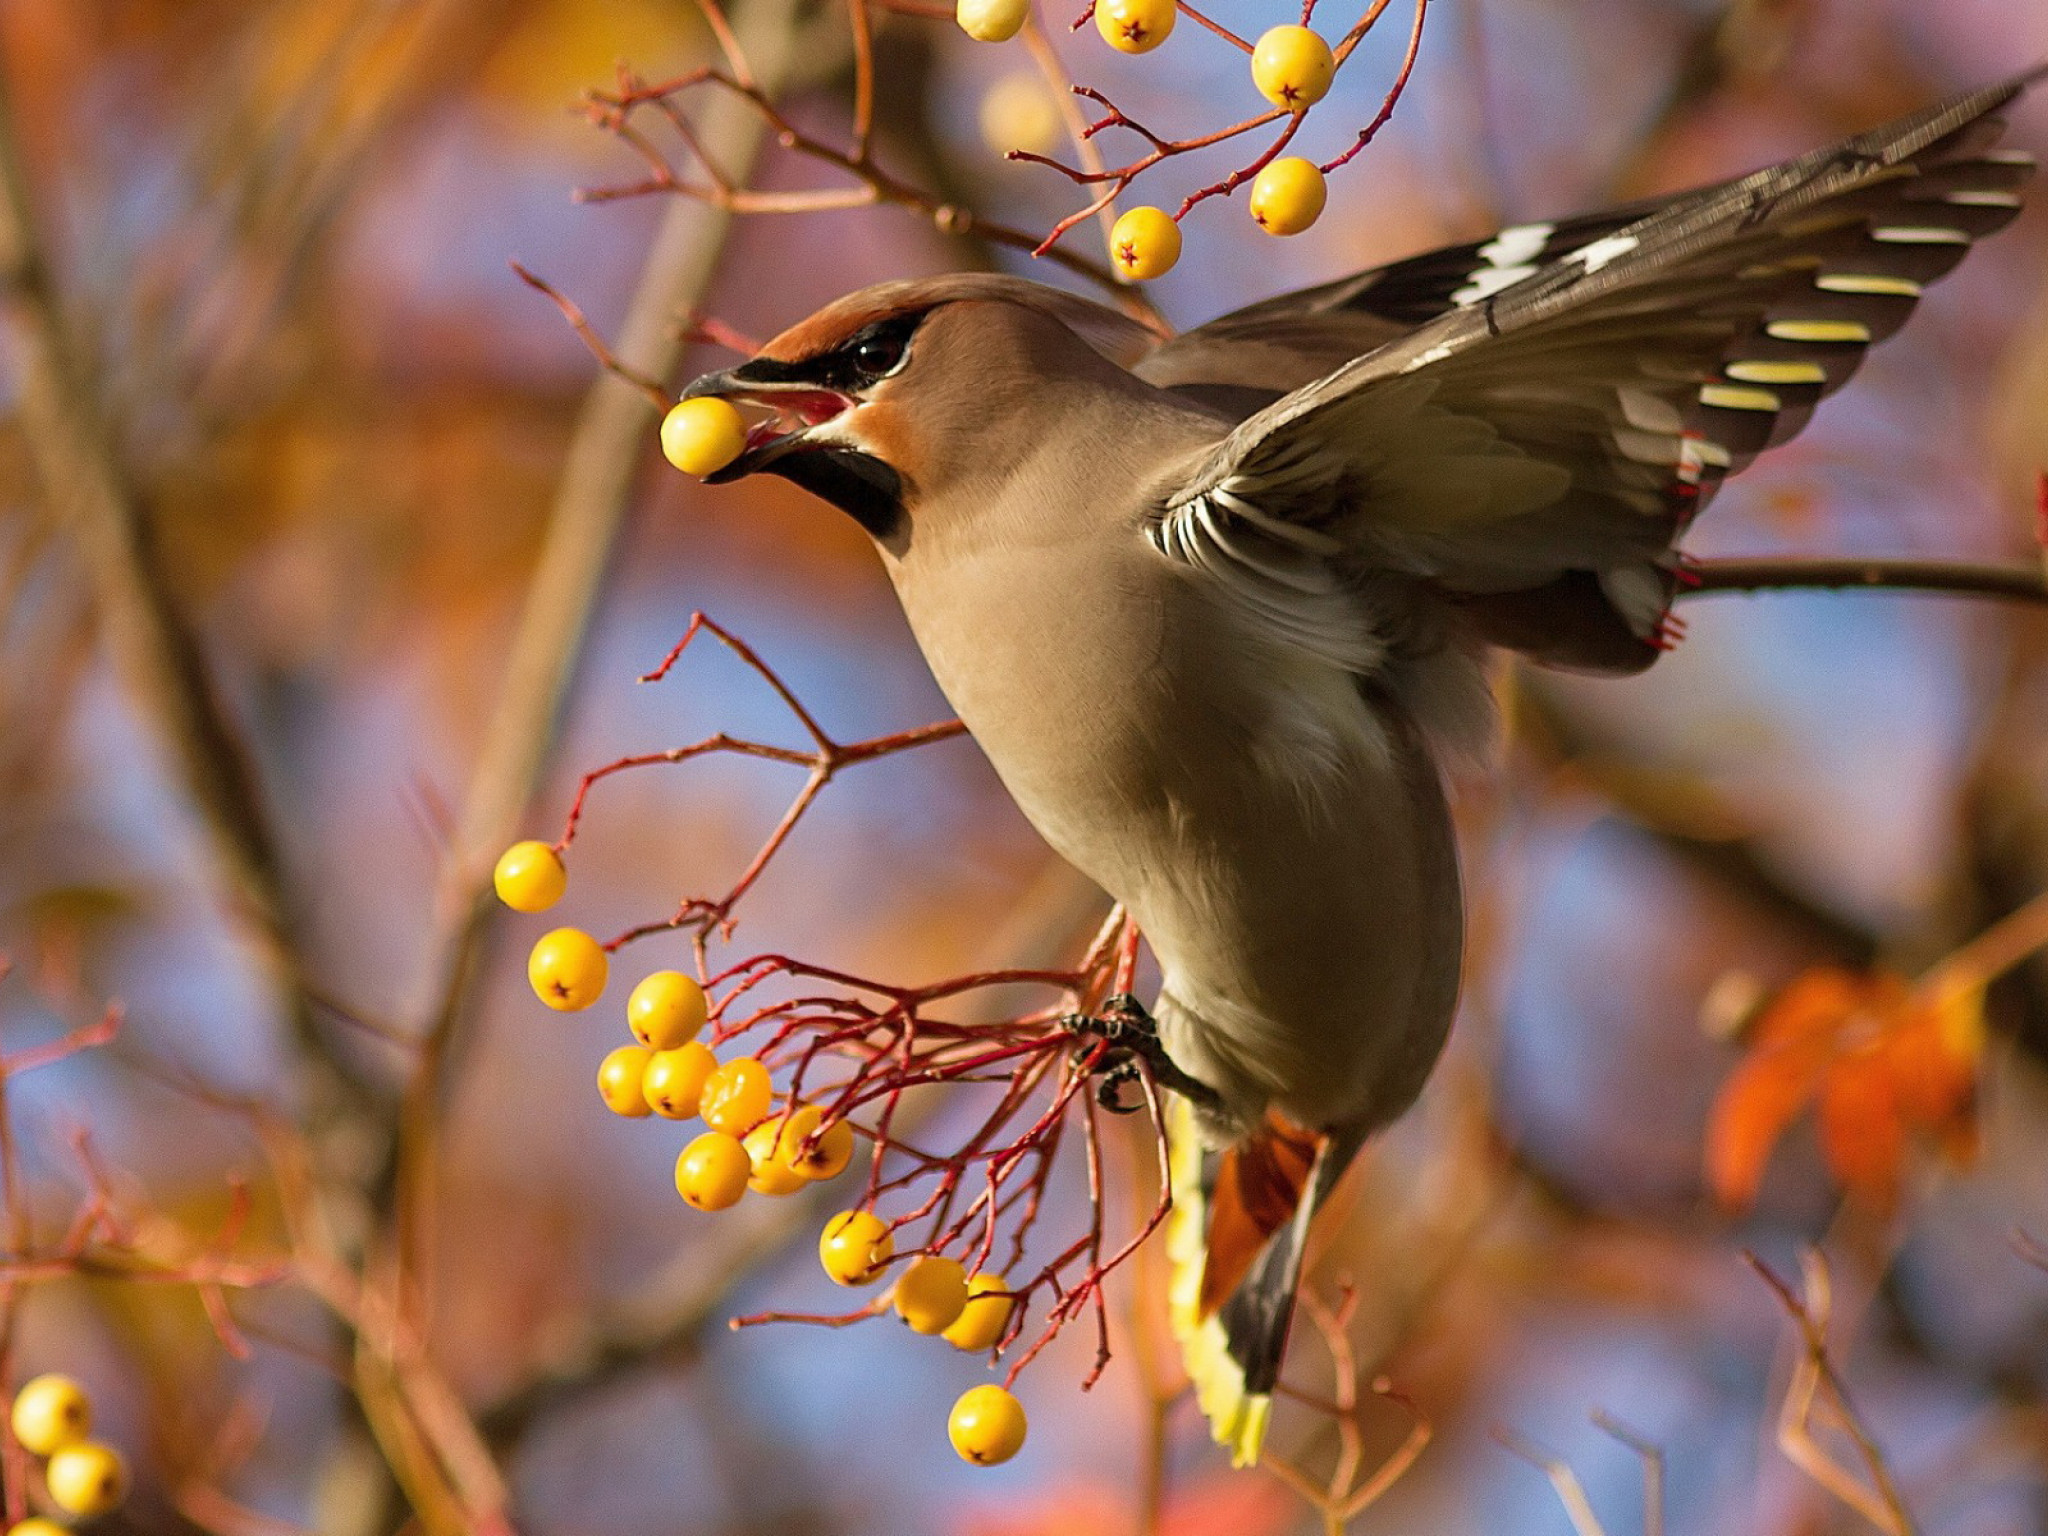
(876, 355)
(878, 351)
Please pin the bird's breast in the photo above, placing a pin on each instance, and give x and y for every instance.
(1281, 842)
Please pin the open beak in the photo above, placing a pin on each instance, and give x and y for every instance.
(787, 410)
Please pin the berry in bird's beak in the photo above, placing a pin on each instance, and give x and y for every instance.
(702, 436)
(786, 412)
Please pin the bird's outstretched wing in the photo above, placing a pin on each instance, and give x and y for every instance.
(1528, 456)
(1322, 327)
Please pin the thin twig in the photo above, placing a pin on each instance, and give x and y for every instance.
(669, 1320)
(1876, 1496)
(1973, 967)
(587, 333)
(1955, 577)
(1652, 1457)
(1571, 1493)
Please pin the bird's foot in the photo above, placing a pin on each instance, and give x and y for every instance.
(1133, 1036)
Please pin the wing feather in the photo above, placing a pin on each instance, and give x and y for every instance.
(1576, 417)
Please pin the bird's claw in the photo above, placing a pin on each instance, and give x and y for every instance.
(1123, 1024)
(1119, 1075)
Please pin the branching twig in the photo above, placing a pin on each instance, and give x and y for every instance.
(826, 759)
(1351, 1488)
(872, 185)
(1571, 1493)
(1652, 1457)
(1874, 1496)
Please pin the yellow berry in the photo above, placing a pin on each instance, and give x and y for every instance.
(700, 437)
(50, 1413)
(87, 1479)
(674, 1082)
(619, 1079)
(665, 1010)
(36, 1525)
(1288, 196)
(987, 1426)
(530, 877)
(992, 21)
(930, 1293)
(1292, 67)
(770, 1175)
(1019, 113)
(568, 969)
(987, 1313)
(713, 1170)
(1134, 26)
(1144, 243)
(854, 1246)
(827, 1155)
(736, 1095)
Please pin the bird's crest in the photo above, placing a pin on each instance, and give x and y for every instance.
(1116, 336)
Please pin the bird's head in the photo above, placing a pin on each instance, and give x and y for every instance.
(896, 394)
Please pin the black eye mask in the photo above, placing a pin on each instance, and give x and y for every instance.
(860, 362)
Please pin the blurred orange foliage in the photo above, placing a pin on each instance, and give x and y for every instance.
(1881, 1058)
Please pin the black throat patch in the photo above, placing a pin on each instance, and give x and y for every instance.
(861, 486)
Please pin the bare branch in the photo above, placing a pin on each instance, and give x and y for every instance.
(598, 477)
(2026, 584)
(1571, 1493)
(152, 646)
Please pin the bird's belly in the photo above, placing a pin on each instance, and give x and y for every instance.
(1284, 848)
(1310, 954)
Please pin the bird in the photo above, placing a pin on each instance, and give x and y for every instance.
(1217, 606)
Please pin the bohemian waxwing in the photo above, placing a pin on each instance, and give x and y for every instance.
(1216, 607)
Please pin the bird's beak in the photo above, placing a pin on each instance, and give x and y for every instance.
(789, 408)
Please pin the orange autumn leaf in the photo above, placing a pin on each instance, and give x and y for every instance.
(1817, 1004)
(1792, 1041)
(1756, 1106)
(1862, 1132)
(1883, 1063)
(1935, 1058)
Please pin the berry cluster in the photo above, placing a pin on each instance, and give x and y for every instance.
(52, 1418)
(752, 1143)
(1291, 66)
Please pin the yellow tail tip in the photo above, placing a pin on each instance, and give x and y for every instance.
(1237, 1419)
(1246, 1437)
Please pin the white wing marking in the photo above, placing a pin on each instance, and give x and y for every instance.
(1281, 583)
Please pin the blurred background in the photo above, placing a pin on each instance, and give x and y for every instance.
(303, 412)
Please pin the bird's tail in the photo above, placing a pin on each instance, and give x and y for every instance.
(1235, 1241)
